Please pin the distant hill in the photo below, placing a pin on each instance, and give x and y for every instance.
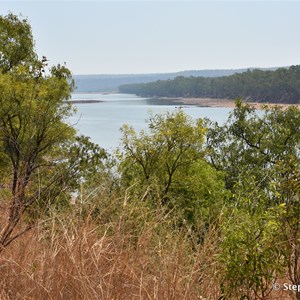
(109, 83)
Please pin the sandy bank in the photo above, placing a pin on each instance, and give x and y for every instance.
(213, 102)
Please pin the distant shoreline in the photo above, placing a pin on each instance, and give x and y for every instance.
(201, 102)
(224, 103)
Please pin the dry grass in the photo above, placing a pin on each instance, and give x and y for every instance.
(65, 258)
(121, 253)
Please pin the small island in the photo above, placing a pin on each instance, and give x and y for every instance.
(85, 101)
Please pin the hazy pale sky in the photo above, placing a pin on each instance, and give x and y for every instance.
(110, 37)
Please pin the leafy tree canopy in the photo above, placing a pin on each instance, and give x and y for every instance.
(33, 130)
(16, 42)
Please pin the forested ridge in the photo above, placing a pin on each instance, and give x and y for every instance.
(110, 83)
(186, 209)
(279, 86)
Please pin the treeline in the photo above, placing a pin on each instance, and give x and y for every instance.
(279, 86)
(110, 83)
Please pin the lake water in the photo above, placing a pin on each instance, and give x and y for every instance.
(102, 121)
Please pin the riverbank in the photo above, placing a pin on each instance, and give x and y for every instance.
(225, 103)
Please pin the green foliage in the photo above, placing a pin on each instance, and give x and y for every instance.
(166, 167)
(172, 145)
(16, 42)
(86, 161)
(251, 258)
(280, 86)
(253, 143)
(41, 159)
(32, 119)
(259, 155)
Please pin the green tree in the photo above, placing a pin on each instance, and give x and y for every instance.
(259, 155)
(254, 143)
(79, 167)
(33, 109)
(251, 260)
(165, 165)
(16, 42)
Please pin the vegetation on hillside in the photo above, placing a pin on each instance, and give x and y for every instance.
(110, 83)
(185, 210)
(279, 86)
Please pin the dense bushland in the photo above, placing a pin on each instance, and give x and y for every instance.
(188, 209)
(279, 86)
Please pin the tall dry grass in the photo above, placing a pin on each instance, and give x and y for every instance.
(110, 248)
(116, 251)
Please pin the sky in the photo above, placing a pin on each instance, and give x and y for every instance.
(131, 37)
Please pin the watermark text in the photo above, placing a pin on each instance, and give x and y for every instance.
(286, 287)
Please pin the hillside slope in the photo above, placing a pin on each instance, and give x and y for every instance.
(279, 86)
(110, 83)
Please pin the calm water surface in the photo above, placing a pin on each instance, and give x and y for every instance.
(102, 121)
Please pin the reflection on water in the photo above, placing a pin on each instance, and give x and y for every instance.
(102, 121)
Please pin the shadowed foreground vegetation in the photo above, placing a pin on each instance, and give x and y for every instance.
(188, 209)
